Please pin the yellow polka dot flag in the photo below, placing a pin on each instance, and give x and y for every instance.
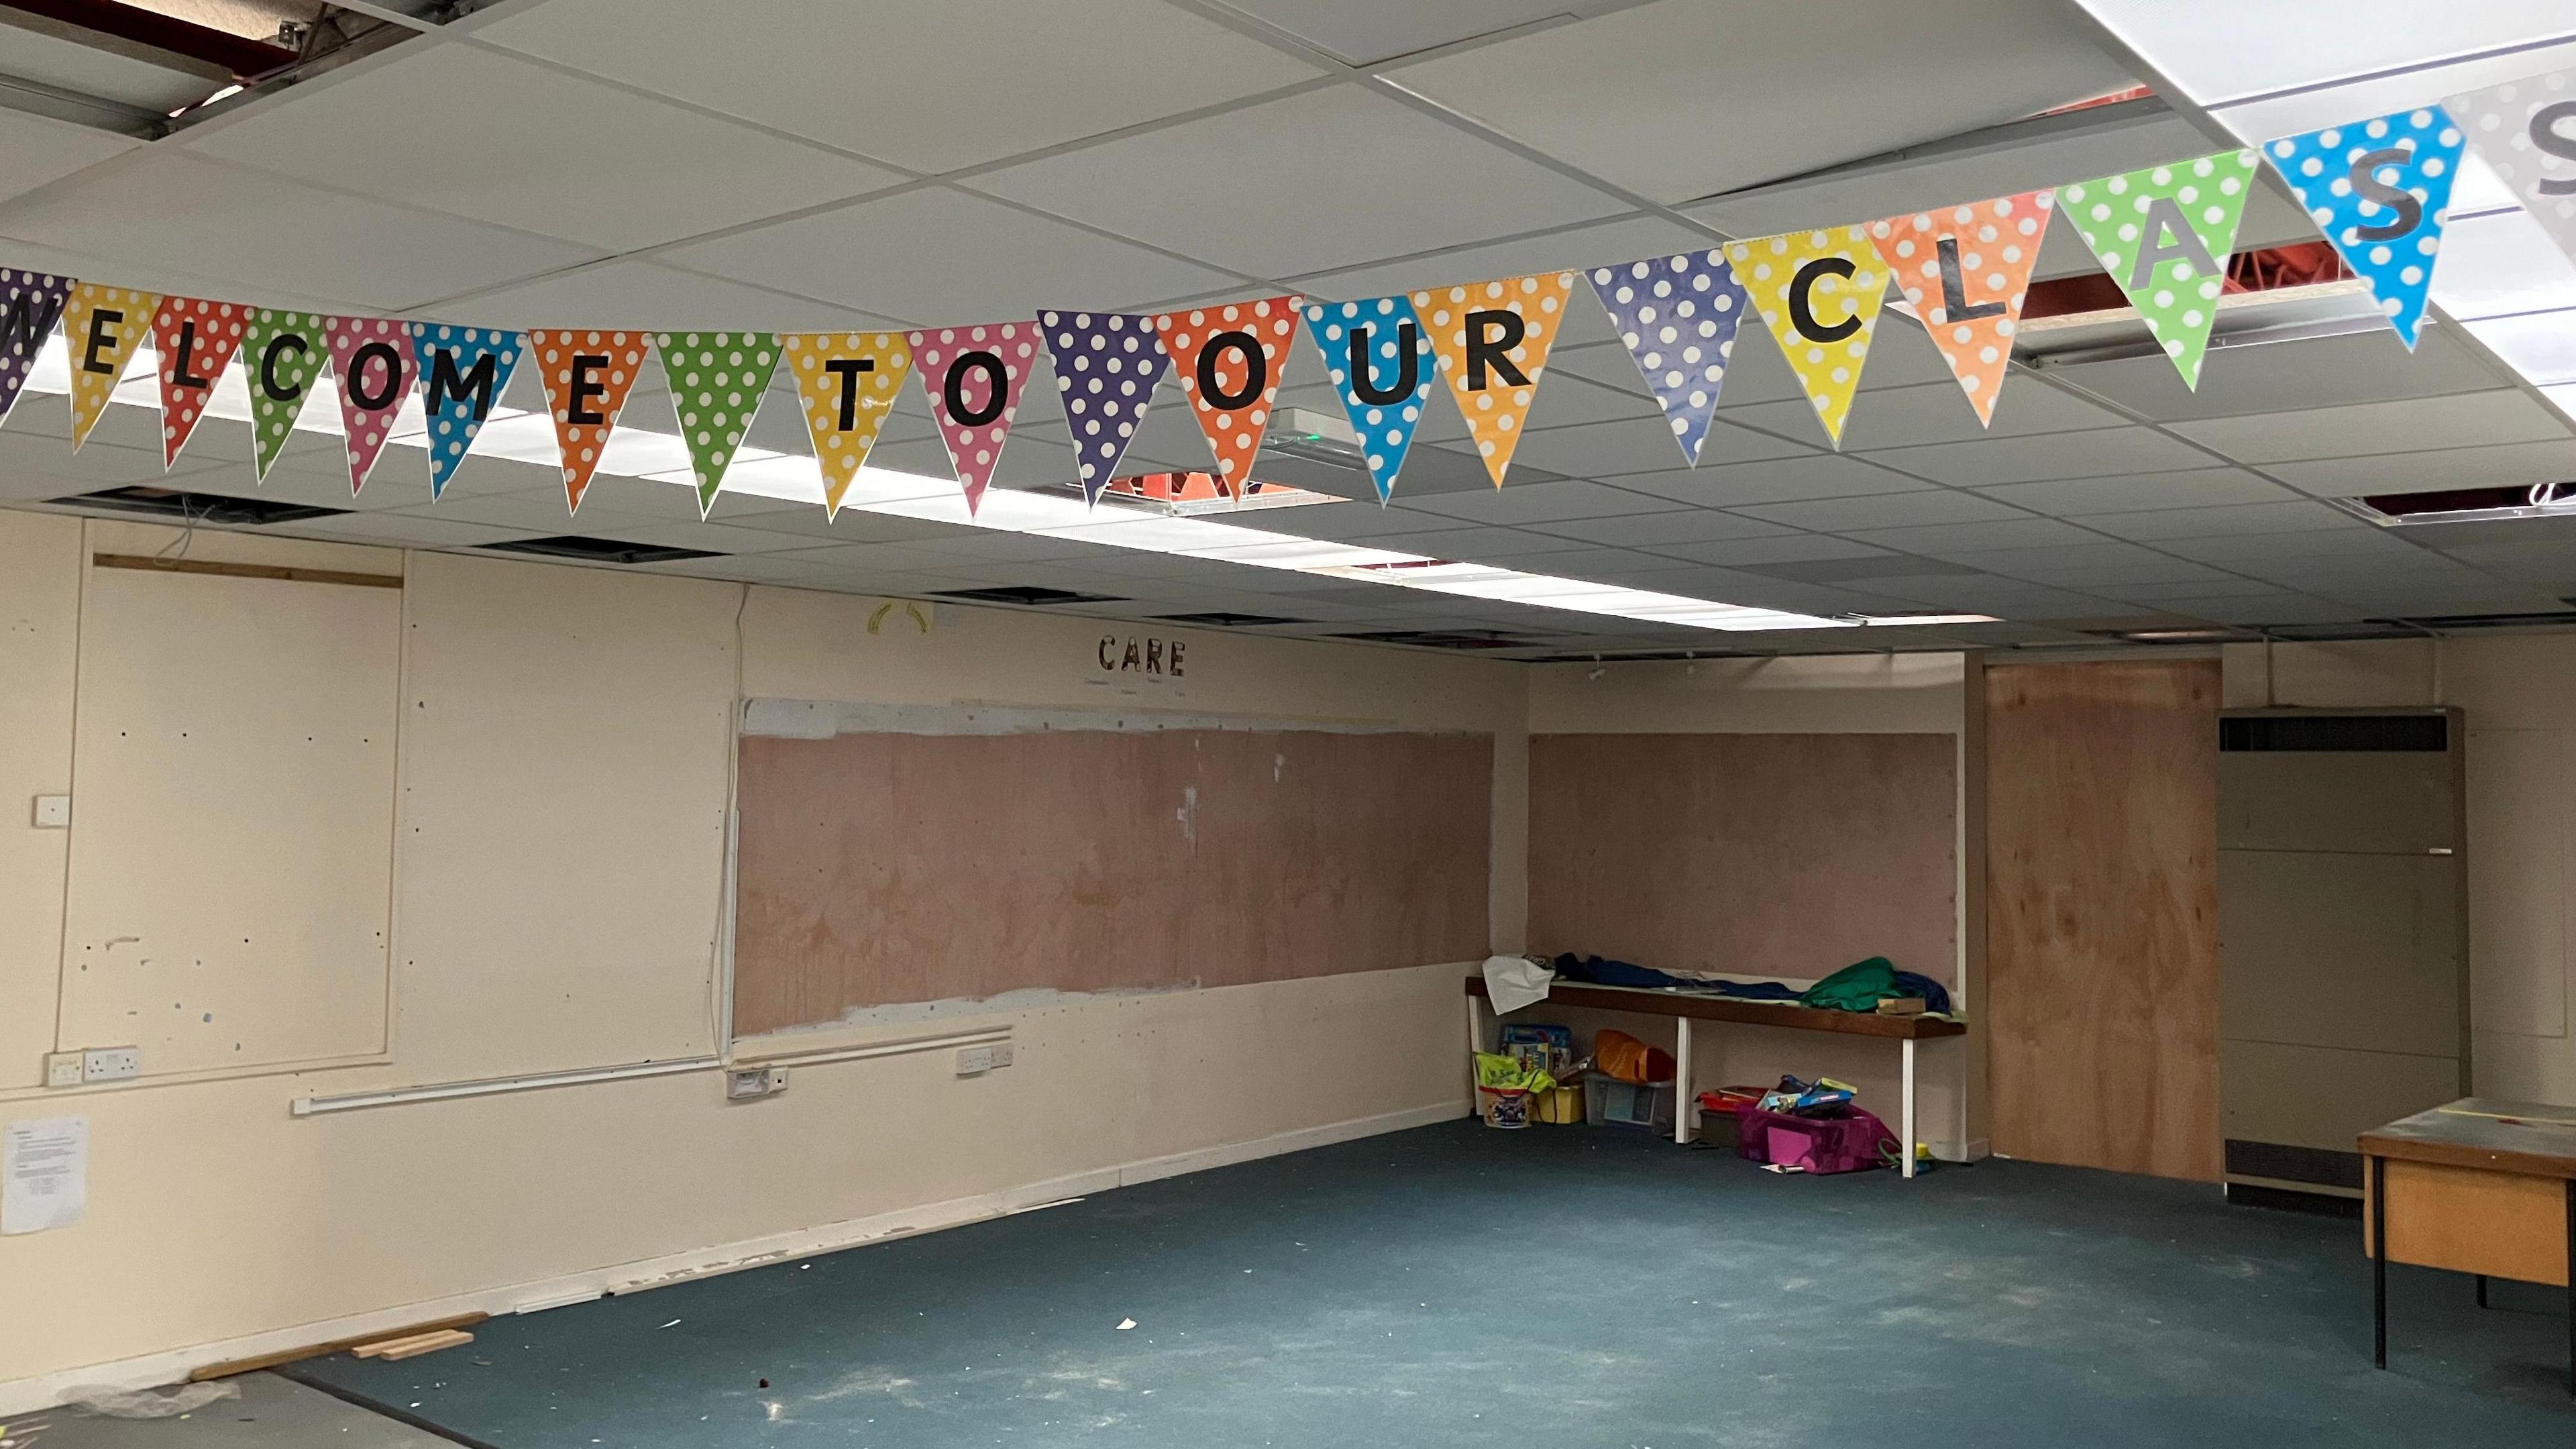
(587, 376)
(1819, 292)
(102, 325)
(847, 382)
(1491, 340)
(1965, 270)
(717, 380)
(2164, 234)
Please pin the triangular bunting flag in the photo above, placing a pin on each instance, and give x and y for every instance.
(196, 339)
(1492, 340)
(717, 380)
(2378, 189)
(1966, 272)
(2164, 234)
(973, 376)
(1379, 359)
(1230, 359)
(283, 352)
(1106, 365)
(2526, 131)
(1678, 316)
(30, 304)
(463, 373)
(373, 359)
(102, 325)
(587, 377)
(848, 382)
(1819, 292)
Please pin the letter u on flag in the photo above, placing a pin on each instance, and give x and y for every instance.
(1380, 363)
(1819, 292)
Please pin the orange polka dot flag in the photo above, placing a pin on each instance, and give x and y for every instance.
(2164, 234)
(847, 382)
(1965, 270)
(1491, 340)
(102, 326)
(196, 339)
(376, 363)
(1230, 358)
(974, 376)
(717, 380)
(587, 377)
(1819, 293)
(283, 353)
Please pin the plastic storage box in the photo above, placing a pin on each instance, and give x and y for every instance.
(1607, 1101)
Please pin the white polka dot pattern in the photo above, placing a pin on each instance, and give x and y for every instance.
(454, 419)
(2129, 218)
(717, 380)
(285, 349)
(373, 359)
(1215, 337)
(869, 367)
(600, 390)
(89, 311)
(1991, 247)
(1385, 424)
(1495, 404)
(1106, 365)
(205, 335)
(30, 304)
(1842, 300)
(2500, 123)
(975, 448)
(1678, 316)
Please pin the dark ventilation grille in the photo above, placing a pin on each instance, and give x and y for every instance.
(1447, 638)
(1223, 620)
(2320, 1165)
(599, 550)
(2373, 732)
(210, 508)
(1025, 594)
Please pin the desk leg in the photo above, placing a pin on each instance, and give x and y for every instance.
(1475, 1044)
(2377, 1167)
(1685, 1111)
(1905, 1163)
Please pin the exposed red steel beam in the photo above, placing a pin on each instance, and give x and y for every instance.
(243, 57)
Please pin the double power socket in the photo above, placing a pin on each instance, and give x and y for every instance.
(98, 1064)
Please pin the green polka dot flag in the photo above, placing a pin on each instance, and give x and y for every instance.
(717, 380)
(2164, 234)
(284, 352)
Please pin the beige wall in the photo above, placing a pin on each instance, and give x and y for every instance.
(2517, 694)
(558, 880)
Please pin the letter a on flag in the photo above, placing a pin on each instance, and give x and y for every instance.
(2164, 234)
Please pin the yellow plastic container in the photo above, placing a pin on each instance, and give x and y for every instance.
(1560, 1107)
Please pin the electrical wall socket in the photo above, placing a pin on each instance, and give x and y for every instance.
(744, 1083)
(974, 1061)
(62, 1069)
(111, 1064)
(1001, 1055)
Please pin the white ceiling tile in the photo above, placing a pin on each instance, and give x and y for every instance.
(2218, 64)
(1938, 412)
(1479, 544)
(399, 530)
(2365, 367)
(2297, 516)
(1939, 540)
(1931, 505)
(1541, 502)
(1698, 525)
(638, 294)
(2050, 455)
(1641, 445)
(939, 257)
(1815, 475)
(2498, 465)
(929, 87)
(1754, 552)
(2140, 493)
(35, 150)
(1595, 244)
(1323, 180)
(2366, 429)
(1363, 32)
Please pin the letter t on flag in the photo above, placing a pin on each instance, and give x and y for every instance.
(847, 382)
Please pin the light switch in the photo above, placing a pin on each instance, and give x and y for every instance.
(53, 812)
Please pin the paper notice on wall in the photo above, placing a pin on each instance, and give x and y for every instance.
(44, 1173)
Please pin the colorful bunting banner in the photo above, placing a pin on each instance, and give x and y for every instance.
(1819, 293)
(1106, 366)
(2379, 191)
(196, 340)
(375, 363)
(848, 382)
(1965, 271)
(588, 377)
(1230, 360)
(973, 376)
(1492, 340)
(464, 371)
(284, 352)
(102, 326)
(717, 380)
(1380, 363)
(30, 304)
(2526, 131)
(2164, 234)
(1678, 317)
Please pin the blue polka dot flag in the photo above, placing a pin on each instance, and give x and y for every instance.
(463, 372)
(1678, 315)
(1383, 390)
(30, 304)
(2378, 190)
(1106, 365)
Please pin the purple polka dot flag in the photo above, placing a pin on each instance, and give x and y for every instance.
(1106, 365)
(30, 304)
(1678, 315)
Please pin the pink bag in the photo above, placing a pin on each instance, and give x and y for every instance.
(1852, 1141)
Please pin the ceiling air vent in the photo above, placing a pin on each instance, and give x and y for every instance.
(209, 508)
(2335, 732)
(2463, 505)
(598, 550)
(1024, 594)
(1223, 620)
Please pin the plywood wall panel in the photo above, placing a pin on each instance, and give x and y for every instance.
(1760, 854)
(2102, 914)
(882, 868)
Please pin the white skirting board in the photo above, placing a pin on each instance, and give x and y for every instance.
(18, 1396)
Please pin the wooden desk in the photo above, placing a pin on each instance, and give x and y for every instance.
(1686, 1007)
(2481, 1186)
